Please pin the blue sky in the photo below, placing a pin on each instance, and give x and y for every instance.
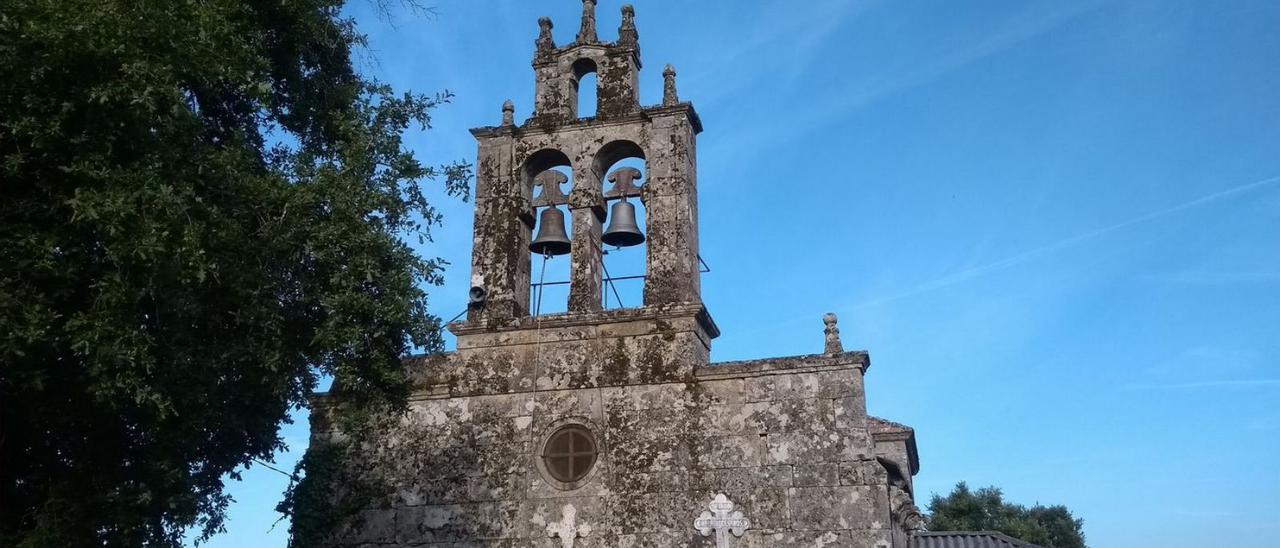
(1055, 226)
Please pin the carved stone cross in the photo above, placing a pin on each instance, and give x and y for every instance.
(567, 528)
(723, 520)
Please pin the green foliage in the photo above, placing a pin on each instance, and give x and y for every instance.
(312, 503)
(203, 210)
(333, 480)
(325, 497)
(986, 510)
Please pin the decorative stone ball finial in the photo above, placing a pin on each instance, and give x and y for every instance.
(832, 333)
(669, 96)
(587, 33)
(627, 34)
(545, 43)
(508, 113)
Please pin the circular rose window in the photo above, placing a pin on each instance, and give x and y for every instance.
(570, 453)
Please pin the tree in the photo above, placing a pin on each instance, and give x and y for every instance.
(203, 210)
(986, 510)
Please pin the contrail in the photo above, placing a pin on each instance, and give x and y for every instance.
(957, 277)
(1245, 383)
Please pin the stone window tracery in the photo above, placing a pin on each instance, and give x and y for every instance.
(570, 453)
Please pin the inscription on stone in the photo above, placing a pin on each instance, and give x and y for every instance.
(722, 520)
(568, 528)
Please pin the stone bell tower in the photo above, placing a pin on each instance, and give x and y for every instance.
(610, 427)
(513, 159)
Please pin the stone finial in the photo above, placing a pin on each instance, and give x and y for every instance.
(669, 96)
(568, 528)
(508, 113)
(545, 43)
(832, 333)
(587, 33)
(627, 34)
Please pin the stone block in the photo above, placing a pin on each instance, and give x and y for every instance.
(768, 388)
(634, 513)
(792, 415)
(537, 513)
(498, 487)
(723, 391)
(371, 526)
(647, 454)
(724, 420)
(849, 413)
(437, 523)
(553, 406)
(728, 452)
(816, 445)
(768, 507)
(863, 472)
(434, 492)
(740, 480)
(842, 507)
(817, 475)
(624, 479)
(648, 396)
(561, 366)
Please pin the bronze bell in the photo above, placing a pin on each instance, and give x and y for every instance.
(552, 239)
(623, 230)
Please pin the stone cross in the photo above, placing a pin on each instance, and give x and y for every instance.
(567, 528)
(832, 333)
(723, 520)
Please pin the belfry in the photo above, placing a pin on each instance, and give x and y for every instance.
(603, 426)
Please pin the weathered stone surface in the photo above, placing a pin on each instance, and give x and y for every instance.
(837, 508)
(788, 440)
(816, 475)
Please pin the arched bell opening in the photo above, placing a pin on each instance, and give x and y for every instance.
(586, 88)
(621, 166)
(548, 177)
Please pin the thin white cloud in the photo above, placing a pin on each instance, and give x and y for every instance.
(1211, 278)
(969, 273)
(1239, 383)
(823, 110)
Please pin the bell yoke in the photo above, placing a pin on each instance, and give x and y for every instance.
(623, 231)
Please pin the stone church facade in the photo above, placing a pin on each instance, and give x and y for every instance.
(611, 427)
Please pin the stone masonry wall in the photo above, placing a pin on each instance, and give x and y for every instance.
(785, 439)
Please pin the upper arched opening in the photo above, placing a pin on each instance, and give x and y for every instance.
(541, 161)
(612, 153)
(585, 85)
